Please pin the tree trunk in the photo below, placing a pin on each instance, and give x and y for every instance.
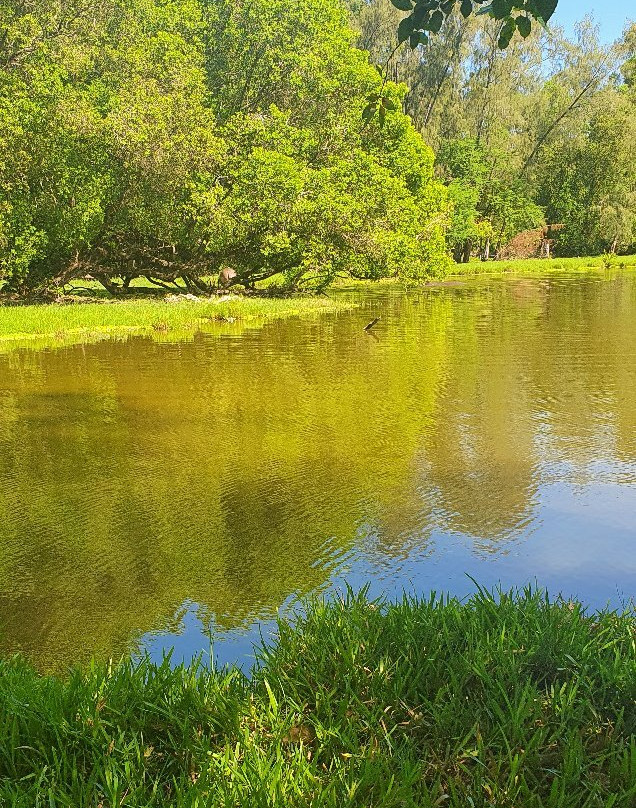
(113, 288)
(468, 247)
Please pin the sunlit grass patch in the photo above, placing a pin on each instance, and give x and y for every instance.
(77, 322)
(501, 701)
(538, 265)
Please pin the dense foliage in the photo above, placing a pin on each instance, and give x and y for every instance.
(175, 138)
(539, 133)
(494, 702)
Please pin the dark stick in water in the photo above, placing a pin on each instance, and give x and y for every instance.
(371, 324)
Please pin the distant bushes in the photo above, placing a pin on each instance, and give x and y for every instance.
(507, 701)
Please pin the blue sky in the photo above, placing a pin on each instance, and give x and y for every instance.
(615, 14)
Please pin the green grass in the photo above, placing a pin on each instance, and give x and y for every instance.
(77, 322)
(538, 265)
(510, 701)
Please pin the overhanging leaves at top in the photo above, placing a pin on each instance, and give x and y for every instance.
(516, 15)
(427, 17)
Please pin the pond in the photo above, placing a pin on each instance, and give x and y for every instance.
(156, 495)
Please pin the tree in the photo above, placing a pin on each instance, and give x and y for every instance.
(109, 107)
(168, 139)
(463, 165)
(628, 69)
(486, 212)
(587, 181)
(529, 109)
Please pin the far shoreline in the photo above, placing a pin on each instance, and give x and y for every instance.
(75, 318)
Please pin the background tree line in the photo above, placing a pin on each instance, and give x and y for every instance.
(542, 131)
(170, 139)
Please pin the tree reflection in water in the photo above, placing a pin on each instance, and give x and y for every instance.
(234, 470)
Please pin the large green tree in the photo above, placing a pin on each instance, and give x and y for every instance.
(108, 107)
(326, 191)
(587, 180)
(173, 138)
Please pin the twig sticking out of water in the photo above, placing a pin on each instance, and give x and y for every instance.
(371, 324)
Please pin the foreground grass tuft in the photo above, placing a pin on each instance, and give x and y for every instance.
(500, 701)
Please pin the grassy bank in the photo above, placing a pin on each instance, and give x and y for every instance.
(512, 701)
(538, 265)
(74, 322)
(87, 321)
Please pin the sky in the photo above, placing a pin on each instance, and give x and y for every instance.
(611, 14)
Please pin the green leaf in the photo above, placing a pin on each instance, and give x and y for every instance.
(403, 5)
(421, 16)
(389, 104)
(436, 22)
(544, 8)
(501, 9)
(369, 112)
(405, 29)
(524, 26)
(506, 33)
(466, 8)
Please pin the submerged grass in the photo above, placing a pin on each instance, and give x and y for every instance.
(138, 316)
(500, 701)
(537, 265)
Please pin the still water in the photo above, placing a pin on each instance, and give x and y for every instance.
(152, 495)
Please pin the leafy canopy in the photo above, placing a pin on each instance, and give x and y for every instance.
(171, 140)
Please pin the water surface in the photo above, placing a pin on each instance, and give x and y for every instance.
(152, 494)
